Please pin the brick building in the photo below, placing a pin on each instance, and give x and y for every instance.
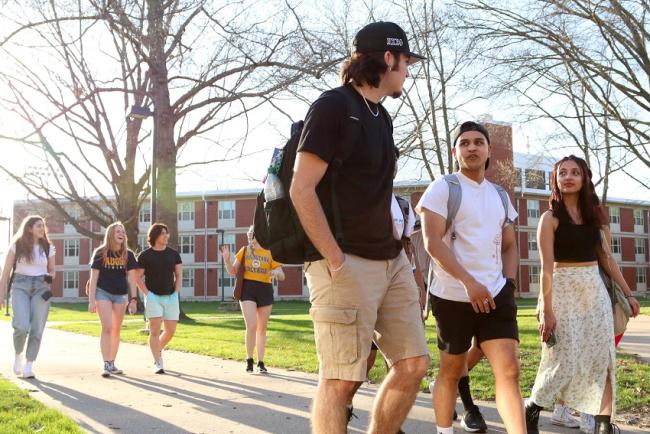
(223, 217)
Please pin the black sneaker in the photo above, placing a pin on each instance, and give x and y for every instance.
(532, 418)
(261, 368)
(472, 421)
(249, 365)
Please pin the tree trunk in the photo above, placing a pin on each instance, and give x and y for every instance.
(164, 155)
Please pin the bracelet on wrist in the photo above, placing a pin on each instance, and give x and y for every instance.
(630, 296)
(133, 298)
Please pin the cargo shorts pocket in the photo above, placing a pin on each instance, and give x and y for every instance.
(335, 330)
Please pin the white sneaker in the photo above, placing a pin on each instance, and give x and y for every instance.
(432, 384)
(562, 417)
(28, 372)
(106, 372)
(587, 423)
(114, 369)
(18, 364)
(158, 366)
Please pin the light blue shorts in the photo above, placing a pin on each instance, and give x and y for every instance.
(102, 295)
(161, 306)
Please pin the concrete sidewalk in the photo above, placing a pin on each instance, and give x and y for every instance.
(637, 338)
(198, 395)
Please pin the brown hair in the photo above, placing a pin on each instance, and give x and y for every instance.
(366, 68)
(154, 232)
(590, 210)
(24, 239)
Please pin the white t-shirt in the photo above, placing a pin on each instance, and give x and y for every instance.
(36, 268)
(398, 220)
(478, 226)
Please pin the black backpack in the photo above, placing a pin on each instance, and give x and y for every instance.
(276, 224)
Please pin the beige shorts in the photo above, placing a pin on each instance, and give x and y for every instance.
(368, 299)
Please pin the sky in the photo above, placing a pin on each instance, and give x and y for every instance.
(268, 129)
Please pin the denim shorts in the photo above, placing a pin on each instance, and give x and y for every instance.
(162, 306)
(101, 295)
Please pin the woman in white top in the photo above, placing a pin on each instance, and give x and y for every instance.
(32, 255)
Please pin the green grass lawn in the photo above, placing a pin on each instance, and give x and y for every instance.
(21, 414)
(645, 305)
(291, 345)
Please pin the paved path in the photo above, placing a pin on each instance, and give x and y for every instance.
(637, 338)
(198, 395)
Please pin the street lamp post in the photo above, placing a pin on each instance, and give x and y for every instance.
(223, 296)
(139, 112)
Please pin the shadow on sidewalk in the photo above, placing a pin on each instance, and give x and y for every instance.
(112, 415)
(261, 415)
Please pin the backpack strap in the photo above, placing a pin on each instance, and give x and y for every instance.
(453, 201)
(404, 206)
(503, 194)
(350, 136)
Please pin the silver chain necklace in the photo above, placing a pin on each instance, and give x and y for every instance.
(368, 105)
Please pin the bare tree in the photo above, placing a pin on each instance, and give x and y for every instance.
(199, 64)
(434, 101)
(592, 55)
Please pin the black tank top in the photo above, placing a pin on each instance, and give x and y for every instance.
(575, 243)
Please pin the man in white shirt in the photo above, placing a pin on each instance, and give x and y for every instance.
(473, 292)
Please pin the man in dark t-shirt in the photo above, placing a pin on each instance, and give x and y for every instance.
(361, 284)
(162, 270)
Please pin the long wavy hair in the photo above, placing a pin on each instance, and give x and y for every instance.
(24, 239)
(590, 209)
(109, 245)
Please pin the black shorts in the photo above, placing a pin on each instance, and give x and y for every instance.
(259, 292)
(457, 322)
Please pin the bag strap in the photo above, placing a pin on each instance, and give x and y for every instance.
(404, 207)
(453, 201)
(503, 194)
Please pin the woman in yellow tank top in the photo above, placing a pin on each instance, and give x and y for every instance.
(256, 299)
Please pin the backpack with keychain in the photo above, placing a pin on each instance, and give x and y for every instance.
(276, 223)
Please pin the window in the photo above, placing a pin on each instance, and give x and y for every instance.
(616, 244)
(185, 211)
(186, 245)
(533, 274)
(226, 209)
(638, 217)
(533, 208)
(229, 240)
(535, 179)
(226, 282)
(532, 243)
(640, 275)
(70, 280)
(188, 278)
(145, 213)
(615, 215)
(142, 242)
(639, 246)
(70, 248)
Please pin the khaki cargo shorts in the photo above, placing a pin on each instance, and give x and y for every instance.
(369, 299)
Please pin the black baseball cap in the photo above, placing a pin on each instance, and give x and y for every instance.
(383, 36)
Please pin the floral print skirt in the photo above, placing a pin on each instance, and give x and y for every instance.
(575, 369)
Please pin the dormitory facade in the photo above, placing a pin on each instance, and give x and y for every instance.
(207, 220)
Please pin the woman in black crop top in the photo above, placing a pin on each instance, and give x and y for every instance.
(575, 312)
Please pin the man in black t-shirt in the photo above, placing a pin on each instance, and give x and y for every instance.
(361, 284)
(162, 270)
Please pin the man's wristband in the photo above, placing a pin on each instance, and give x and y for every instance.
(511, 281)
(630, 296)
(133, 298)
